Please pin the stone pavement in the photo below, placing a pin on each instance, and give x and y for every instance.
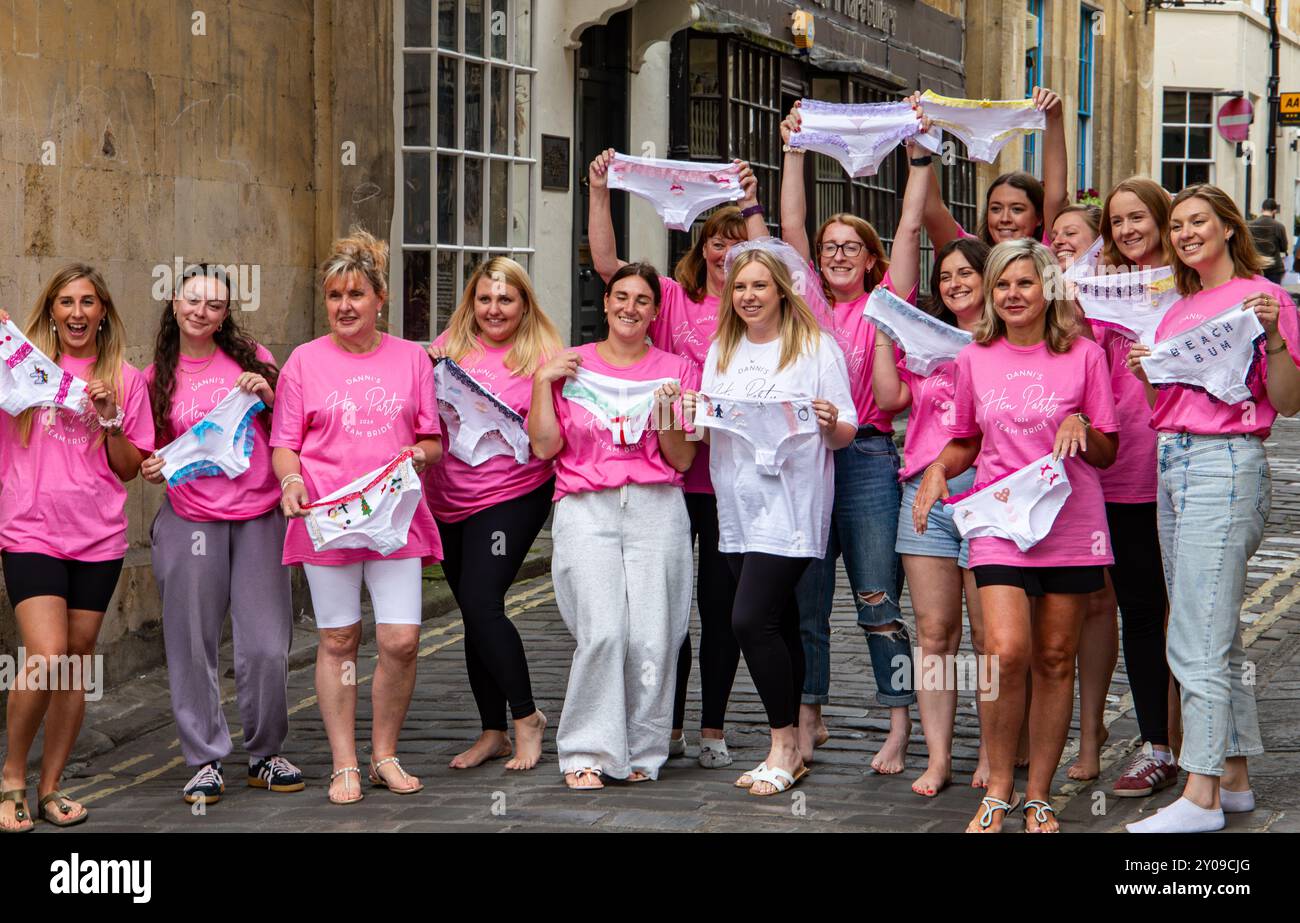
(128, 767)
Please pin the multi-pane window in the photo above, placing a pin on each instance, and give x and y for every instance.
(1187, 133)
(733, 104)
(1033, 78)
(465, 161)
(1086, 36)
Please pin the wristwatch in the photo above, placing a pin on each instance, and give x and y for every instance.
(1087, 421)
(923, 161)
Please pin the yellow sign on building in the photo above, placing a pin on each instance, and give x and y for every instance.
(1289, 109)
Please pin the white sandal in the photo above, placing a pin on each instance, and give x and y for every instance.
(378, 780)
(761, 767)
(778, 779)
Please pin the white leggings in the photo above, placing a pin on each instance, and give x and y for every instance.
(395, 590)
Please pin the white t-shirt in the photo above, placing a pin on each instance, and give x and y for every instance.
(789, 514)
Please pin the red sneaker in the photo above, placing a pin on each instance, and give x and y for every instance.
(1145, 775)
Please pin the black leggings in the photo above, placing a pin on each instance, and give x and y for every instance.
(481, 558)
(766, 622)
(1139, 581)
(715, 594)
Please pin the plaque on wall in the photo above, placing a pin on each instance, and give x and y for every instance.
(555, 163)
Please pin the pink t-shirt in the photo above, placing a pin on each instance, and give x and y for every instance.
(1132, 479)
(1017, 397)
(346, 414)
(929, 419)
(590, 459)
(856, 338)
(201, 384)
(1180, 409)
(455, 490)
(685, 328)
(59, 495)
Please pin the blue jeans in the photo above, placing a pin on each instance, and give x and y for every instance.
(864, 524)
(1212, 503)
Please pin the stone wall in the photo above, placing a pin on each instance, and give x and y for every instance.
(142, 130)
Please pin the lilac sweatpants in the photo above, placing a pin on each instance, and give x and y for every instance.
(204, 570)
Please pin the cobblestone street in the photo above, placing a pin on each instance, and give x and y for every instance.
(128, 768)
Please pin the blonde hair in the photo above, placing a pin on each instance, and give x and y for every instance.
(1059, 325)
(1246, 261)
(536, 338)
(800, 332)
(361, 254)
(110, 338)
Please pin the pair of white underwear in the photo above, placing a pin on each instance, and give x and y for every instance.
(622, 406)
(984, 125)
(1085, 263)
(679, 189)
(220, 443)
(478, 424)
(859, 135)
(926, 341)
(1133, 303)
(771, 429)
(29, 378)
(374, 511)
(1020, 507)
(1217, 357)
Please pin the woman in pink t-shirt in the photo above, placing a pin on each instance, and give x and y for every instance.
(935, 561)
(684, 326)
(201, 356)
(621, 563)
(1016, 204)
(1134, 223)
(489, 514)
(63, 525)
(850, 258)
(1214, 493)
(1029, 387)
(346, 404)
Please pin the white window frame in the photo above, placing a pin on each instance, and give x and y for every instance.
(1185, 125)
(397, 244)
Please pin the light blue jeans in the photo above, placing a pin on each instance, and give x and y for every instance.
(864, 523)
(1212, 504)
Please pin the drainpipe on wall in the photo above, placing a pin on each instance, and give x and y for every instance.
(1274, 101)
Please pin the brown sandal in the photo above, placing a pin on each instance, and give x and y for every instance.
(19, 797)
(64, 809)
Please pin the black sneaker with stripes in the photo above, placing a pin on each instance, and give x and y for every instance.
(207, 785)
(275, 773)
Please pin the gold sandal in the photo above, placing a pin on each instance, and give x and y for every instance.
(19, 797)
(377, 779)
(63, 808)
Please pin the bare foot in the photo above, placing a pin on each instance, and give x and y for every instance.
(528, 739)
(491, 745)
(1088, 764)
(1048, 824)
(934, 780)
(583, 780)
(996, 816)
(980, 778)
(893, 754)
(812, 731)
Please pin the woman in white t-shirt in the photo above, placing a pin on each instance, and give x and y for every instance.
(770, 347)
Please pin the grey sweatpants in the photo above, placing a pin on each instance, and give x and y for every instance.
(622, 571)
(205, 569)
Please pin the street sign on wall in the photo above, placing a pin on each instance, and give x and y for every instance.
(1234, 119)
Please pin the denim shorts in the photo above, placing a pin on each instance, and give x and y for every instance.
(941, 538)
